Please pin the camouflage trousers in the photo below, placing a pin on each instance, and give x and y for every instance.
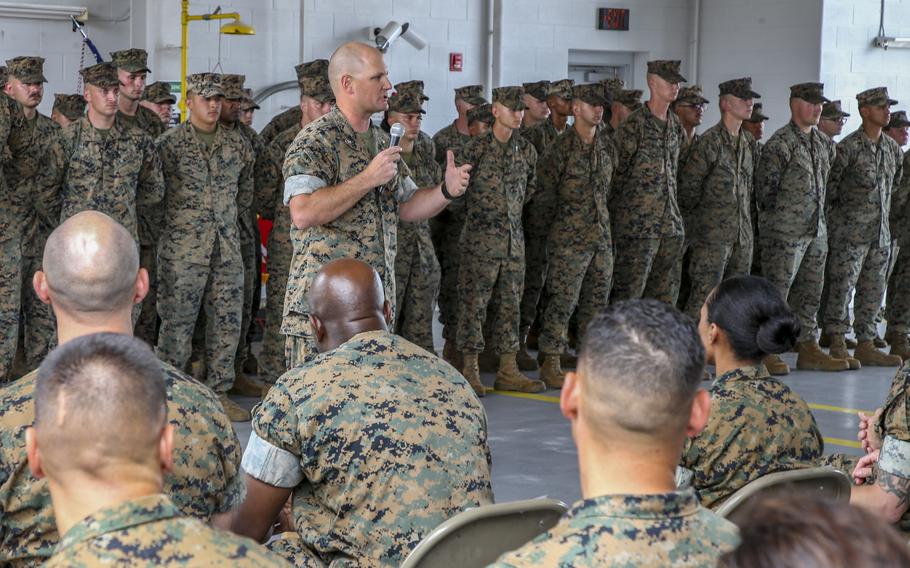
(249, 240)
(40, 327)
(486, 281)
(10, 295)
(578, 278)
(710, 263)
(298, 349)
(862, 267)
(537, 219)
(797, 268)
(272, 361)
(897, 311)
(416, 284)
(147, 326)
(647, 268)
(185, 289)
(446, 233)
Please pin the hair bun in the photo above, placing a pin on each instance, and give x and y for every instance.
(778, 333)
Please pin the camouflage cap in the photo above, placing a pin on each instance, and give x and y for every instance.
(510, 97)
(248, 103)
(414, 87)
(481, 113)
(317, 87)
(101, 75)
(538, 89)
(232, 85)
(667, 69)
(593, 94)
(629, 97)
(809, 92)
(26, 69)
(314, 68)
(898, 120)
(159, 92)
(757, 115)
(740, 88)
(562, 89)
(471, 94)
(613, 85)
(832, 110)
(692, 95)
(876, 96)
(134, 60)
(204, 84)
(406, 102)
(70, 106)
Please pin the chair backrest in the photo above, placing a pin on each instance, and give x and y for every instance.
(477, 537)
(816, 482)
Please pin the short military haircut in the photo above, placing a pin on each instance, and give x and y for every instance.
(100, 399)
(91, 263)
(346, 288)
(349, 59)
(641, 362)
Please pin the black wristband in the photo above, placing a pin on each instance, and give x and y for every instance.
(445, 192)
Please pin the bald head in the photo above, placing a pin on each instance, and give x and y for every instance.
(360, 80)
(90, 264)
(346, 298)
(353, 59)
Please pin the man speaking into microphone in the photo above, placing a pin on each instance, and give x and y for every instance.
(347, 188)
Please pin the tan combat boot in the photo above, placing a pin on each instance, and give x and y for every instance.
(825, 341)
(234, 411)
(565, 360)
(509, 378)
(451, 354)
(879, 342)
(869, 355)
(471, 371)
(525, 361)
(551, 373)
(776, 365)
(900, 344)
(488, 361)
(812, 358)
(245, 385)
(839, 351)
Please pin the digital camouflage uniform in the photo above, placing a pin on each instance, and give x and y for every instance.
(858, 208)
(715, 198)
(281, 122)
(691, 94)
(200, 264)
(326, 153)
(790, 188)
(897, 311)
(151, 531)
(70, 106)
(503, 178)
(647, 225)
(669, 529)
(35, 202)
(205, 480)
(416, 267)
(380, 440)
(757, 426)
(580, 250)
(539, 213)
(11, 119)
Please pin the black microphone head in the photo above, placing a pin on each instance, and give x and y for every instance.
(396, 132)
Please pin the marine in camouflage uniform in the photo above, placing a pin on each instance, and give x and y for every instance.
(209, 184)
(150, 530)
(314, 83)
(35, 203)
(205, 480)
(862, 178)
(578, 173)
(665, 529)
(790, 188)
(492, 269)
(757, 426)
(67, 108)
(897, 311)
(416, 267)
(292, 116)
(689, 107)
(755, 126)
(538, 214)
(11, 120)
(647, 225)
(135, 60)
(379, 391)
(715, 198)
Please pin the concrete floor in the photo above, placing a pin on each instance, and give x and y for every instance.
(533, 453)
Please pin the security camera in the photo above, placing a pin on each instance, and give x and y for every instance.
(385, 37)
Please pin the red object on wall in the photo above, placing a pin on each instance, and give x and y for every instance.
(455, 61)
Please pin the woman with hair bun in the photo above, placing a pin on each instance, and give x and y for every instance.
(757, 424)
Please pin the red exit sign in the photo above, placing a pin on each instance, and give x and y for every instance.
(613, 19)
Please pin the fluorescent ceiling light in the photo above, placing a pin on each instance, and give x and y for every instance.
(42, 12)
(886, 42)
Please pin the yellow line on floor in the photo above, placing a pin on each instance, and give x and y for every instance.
(842, 442)
(547, 398)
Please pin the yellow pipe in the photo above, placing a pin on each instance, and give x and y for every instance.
(185, 19)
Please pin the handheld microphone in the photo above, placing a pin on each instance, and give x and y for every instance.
(396, 132)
